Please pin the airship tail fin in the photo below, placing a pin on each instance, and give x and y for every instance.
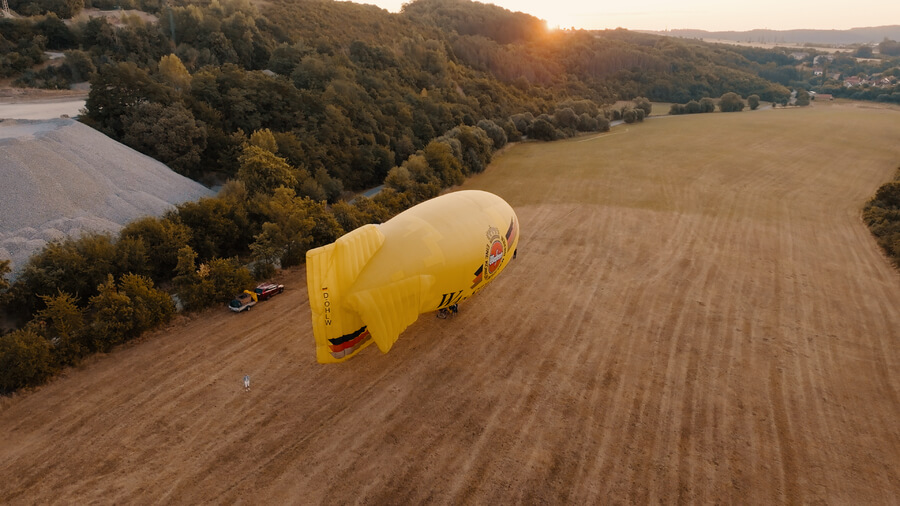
(389, 309)
(331, 270)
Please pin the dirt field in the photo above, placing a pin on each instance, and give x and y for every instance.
(696, 314)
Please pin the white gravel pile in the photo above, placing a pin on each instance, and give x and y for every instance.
(59, 178)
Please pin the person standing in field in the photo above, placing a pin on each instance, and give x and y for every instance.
(246, 382)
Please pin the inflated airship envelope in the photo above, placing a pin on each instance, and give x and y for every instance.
(375, 281)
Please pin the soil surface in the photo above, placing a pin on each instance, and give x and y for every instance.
(32, 103)
(683, 323)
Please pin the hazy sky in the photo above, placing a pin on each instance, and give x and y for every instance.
(710, 15)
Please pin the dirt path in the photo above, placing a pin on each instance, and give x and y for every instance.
(696, 314)
(30, 103)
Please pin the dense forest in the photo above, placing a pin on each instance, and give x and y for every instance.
(360, 88)
(293, 106)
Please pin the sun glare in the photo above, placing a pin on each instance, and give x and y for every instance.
(560, 21)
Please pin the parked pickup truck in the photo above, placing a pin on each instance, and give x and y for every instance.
(268, 290)
(243, 302)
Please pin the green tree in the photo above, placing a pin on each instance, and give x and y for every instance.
(707, 105)
(58, 34)
(228, 278)
(399, 179)
(289, 229)
(889, 47)
(62, 322)
(111, 316)
(4, 284)
(80, 65)
(565, 118)
(173, 72)
(214, 282)
(439, 157)
(267, 250)
(220, 227)
(26, 359)
(118, 88)
(863, 52)
(187, 279)
(168, 133)
(643, 103)
(265, 140)
(74, 266)
(888, 196)
(802, 97)
(495, 132)
(4, 270)
(162, 239)
(151, 307)
(753, 102)
(542, 130)
(731, 102)
(263, 172)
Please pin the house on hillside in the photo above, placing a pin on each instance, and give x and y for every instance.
(852, 82)
(817, 72)
(799, 56)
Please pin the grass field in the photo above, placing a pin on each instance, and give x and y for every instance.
(696, 314)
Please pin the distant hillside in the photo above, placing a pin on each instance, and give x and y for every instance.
(867, 35)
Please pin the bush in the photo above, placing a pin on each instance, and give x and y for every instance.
(215, 282)
(495, 132)
(565, 118)
(522, 122)
(111, 313)
(62, 323)
(150, 307)
(26, 359)
(753, 102)
(162, 239)
(882, 215)
(731, 102)
(602, 123)
(542, 130)
(76, 266)
(643, 104)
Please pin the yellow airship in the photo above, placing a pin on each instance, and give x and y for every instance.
(375, 281)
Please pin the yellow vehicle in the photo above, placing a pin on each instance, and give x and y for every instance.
(375, 281)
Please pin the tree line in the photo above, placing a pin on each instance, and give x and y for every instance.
(358, 89)
(882, 215)
(87, 294)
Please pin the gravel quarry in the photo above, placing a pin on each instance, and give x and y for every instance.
(60, 178)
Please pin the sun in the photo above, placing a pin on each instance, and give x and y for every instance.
(560, 21)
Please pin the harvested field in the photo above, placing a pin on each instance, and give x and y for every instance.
(696, 314)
